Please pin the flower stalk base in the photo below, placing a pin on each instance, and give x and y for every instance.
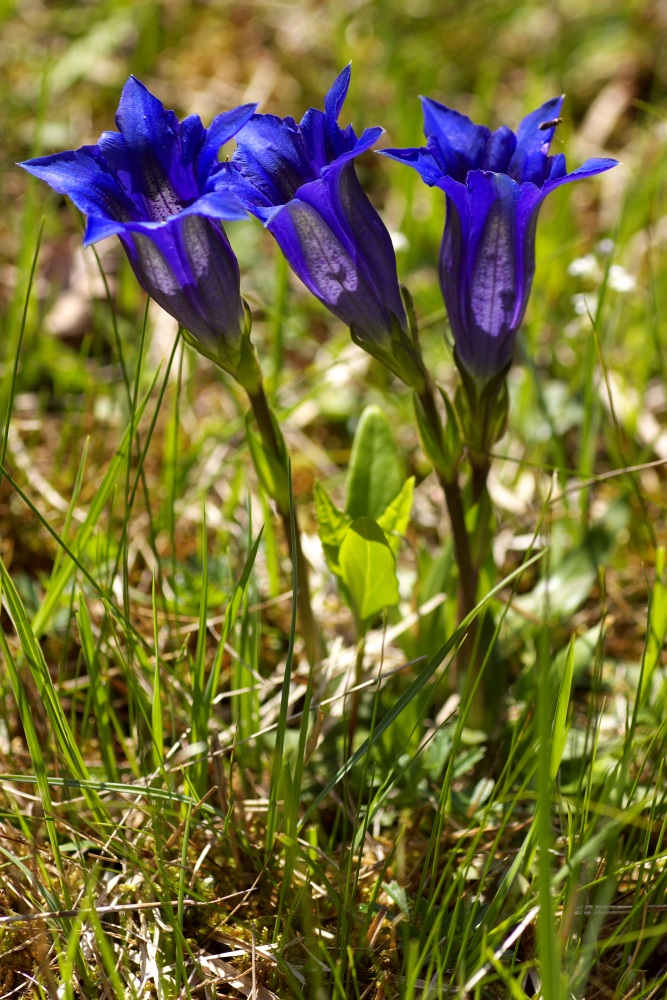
(276, 481)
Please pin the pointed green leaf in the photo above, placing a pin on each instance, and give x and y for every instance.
(561, 726)
(374, 477)
(657, 630)
(332, 525)
(368, 569)
(395, 518)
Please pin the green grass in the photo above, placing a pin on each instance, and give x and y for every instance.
(181, 811)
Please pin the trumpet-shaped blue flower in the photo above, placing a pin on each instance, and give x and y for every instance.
(495, 183)
(300, 181)
(152, 185)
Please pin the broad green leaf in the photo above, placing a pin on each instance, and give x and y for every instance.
(374, 477)
(368, 568)
(395, 518)
(332, 525)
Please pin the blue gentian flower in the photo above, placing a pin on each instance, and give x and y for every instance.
(300, 181)
(495, 183)
(152, 185)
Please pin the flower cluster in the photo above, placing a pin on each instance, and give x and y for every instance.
(152, 185)
(300, 181)
(495, 183)
(159, 186)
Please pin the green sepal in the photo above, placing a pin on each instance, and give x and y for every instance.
(238, 359)
(271, 468)
(443, 449)
(409, 304)
(397, 352)
(482, 407)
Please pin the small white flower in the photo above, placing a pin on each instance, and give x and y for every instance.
(584, 267)
(620, 280)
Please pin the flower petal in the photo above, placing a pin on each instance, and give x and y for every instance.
(188, 267)
(596, 165)
(455, 141)
(152, 136)
(532, 143)
(83, 176)
(327, 257)
(323, 259)
(272, 156)
(223, 128)
(335, 98)
(219, 204)
(422, 160)
(376, 256)
(500, 149)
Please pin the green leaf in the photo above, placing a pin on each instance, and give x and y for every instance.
(395, 518)
(374, 477)
(368, 569)
(561, 726)
(657, 625)
(332, 525)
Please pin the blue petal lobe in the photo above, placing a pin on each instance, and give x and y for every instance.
(457, 143)
(335, 98)
(83, 176)
(422, 160)
(219, 204)
(596, 165)
(271, 154)
(533, 141)
(223, 128)
(151, 134)
(500, 149)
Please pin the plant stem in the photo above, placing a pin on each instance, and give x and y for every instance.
(480, 474)
(467, 571)
(356, 694)
(267, 430)
(468, 661)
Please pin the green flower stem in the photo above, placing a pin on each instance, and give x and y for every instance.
(469, 659)
(267, 430)
(480, 475)
(453, 499)
(356, 694)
